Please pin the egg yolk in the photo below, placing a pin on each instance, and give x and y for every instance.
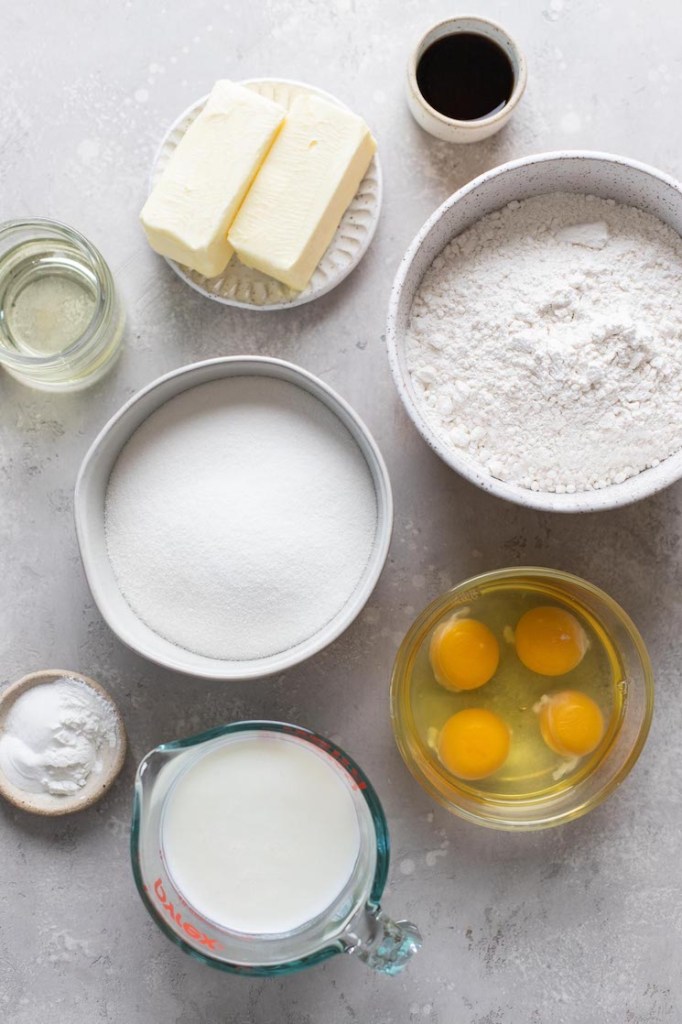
(571, 723)
(474, 743)
(464, 654)
(550, 641)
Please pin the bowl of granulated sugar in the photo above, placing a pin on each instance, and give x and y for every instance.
(233, 518)
(534, 335)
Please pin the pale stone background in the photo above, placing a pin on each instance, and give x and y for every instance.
(575, 926)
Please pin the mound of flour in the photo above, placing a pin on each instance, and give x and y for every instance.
(545, 342)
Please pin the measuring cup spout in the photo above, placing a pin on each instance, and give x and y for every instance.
(154, 775)
(381, 943)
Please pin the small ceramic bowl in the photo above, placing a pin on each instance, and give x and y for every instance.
(556, 806)
(97, 783)
(447, 128)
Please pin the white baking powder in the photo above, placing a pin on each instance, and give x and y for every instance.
(545, 342)
(54, 737)
(240, 517)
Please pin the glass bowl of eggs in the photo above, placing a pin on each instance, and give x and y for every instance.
(521, 698)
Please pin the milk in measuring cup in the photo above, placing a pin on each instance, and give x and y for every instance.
(261, 835)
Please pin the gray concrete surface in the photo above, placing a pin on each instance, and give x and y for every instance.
(575, 926)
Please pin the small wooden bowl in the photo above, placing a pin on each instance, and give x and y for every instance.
(97, 784)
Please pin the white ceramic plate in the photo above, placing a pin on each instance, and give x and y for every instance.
(250, 289)
(599, 174)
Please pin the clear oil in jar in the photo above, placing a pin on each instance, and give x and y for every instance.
(61, 323)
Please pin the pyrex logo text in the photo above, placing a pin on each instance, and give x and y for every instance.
(176, 916)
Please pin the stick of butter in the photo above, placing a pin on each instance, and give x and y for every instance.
(192, 206)
(302, 190)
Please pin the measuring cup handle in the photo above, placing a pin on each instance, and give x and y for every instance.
(381, 943)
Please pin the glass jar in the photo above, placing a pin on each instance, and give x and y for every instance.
(61, 323)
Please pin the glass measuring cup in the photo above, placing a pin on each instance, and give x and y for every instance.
(353, 923)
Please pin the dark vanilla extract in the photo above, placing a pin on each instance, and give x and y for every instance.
(465, 76)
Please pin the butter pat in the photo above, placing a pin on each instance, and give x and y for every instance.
(302, 190)
(193, 204)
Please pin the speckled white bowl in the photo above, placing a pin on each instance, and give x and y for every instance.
(599, 174)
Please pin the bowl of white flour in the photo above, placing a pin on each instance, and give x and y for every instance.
(233, 518)
(534, 333)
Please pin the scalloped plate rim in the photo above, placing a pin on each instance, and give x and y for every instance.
(334, 280)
